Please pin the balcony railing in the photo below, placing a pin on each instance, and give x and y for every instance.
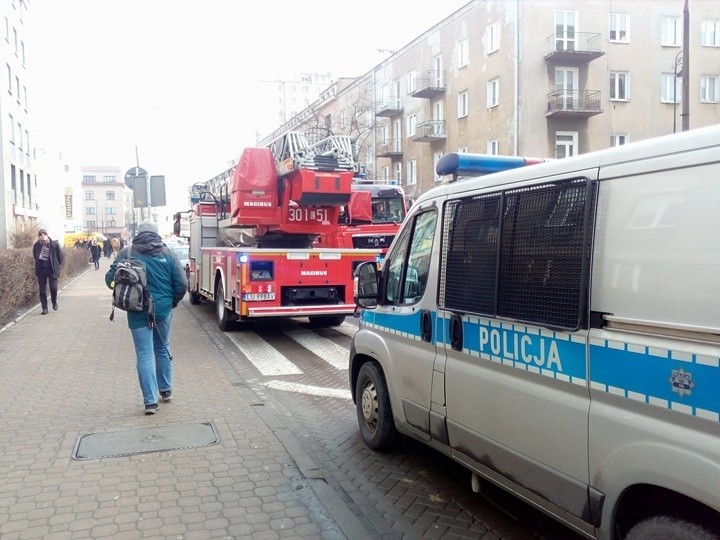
(388, 108)
(429, 84)
(577, 47)
(430, 131)
(574, 103)
(390, 148)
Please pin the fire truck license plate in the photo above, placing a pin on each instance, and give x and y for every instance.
(250, 297)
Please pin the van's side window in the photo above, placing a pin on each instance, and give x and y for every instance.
(521, 254)
(409, 264)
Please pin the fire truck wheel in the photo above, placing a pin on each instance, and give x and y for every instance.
(194, 298)
(322, 321)
(223, 315)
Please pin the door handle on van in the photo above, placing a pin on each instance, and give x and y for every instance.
(426, 325)
(456, 332)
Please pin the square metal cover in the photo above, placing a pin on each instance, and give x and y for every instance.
(144, 440)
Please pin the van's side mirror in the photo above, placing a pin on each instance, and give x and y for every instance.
(365, 285)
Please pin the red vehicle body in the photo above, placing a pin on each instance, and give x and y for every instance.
(251, 235)
(371, 218)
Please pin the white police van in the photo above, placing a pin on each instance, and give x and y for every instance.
(556, 329)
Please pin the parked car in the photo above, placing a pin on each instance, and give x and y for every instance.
(182, 253)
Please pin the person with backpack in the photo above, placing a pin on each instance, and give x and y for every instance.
(49, 258)
(148, 260)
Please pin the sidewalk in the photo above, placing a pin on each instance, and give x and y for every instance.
(72, 372)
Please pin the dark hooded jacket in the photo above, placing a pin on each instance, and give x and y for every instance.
(56, 258)
(165, 277)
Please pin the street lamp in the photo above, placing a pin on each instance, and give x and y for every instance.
(677, 71)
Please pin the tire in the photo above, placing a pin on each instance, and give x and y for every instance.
(668, 528)
(372, 404)
(194, 298)
(223, 315)
(322, 321)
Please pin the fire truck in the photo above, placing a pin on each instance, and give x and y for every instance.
(253, 230)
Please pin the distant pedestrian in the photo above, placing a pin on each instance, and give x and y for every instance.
(167, 285)
(49, 258)
(95, 254)
(107, 249)
(115, 243)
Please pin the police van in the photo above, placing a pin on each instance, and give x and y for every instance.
(555, 328)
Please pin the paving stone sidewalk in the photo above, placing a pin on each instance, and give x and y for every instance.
(72, 372)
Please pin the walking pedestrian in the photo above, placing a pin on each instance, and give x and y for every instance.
(115, 244)
(95, 254)
(49, 258)
(167, 285)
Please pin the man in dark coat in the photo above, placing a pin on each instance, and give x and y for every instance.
(48, 259)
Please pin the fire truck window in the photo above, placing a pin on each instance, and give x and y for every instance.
(261, 270)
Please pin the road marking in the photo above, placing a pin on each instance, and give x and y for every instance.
(346, 328)
(263, 356)
(307, 389)
(331, 352)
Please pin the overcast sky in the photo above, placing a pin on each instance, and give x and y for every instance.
(178, 78)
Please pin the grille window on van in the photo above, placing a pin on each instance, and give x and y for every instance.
(528, 262)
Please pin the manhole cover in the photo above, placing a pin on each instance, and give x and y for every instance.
(145, 440)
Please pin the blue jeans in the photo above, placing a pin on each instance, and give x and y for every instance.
(154, 362)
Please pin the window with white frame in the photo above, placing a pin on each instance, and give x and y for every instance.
(618, 139)
(411, 172)
(11, 126)
(619, 86)
(463, 150)
(710, 88)
(619, 28)
(566, 143)
(670, 88)
(397, 176)
(710, 34)
(411, 125)
(463, 104)
(436, 158)
(463, 53)
(411, 76)
(671, 32)
(493, 147)
(385, 173)
(383, 134)
(493, 37)
(493, 93)
(109, 195)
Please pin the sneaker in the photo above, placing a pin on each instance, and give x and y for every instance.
(166, 396)
(55, 306)
(151, 409)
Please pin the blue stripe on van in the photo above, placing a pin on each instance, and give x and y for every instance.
(405, 324)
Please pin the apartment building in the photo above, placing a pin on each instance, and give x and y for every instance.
(18, 196)
(104, 200)
(547, 78)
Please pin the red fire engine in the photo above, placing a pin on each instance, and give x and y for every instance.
(252, 230)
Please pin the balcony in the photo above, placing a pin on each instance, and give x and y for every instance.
(388, 108)
(391, 148)
(578, 48)
(573, 104)
(429, 84)
(430, 131)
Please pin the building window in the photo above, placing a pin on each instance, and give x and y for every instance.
(109, 195)
(566, 143)
(436, 158)
(411, 123)
(385, 173)
(670, 88)
(411, 173)
(619, 87)
(618, 139)
(9, 73)
(463, 53)
(89, 178)
(619, 28)
(109, 179)
(91, 225)
(463, 104)
(463, 150)
(710, 88)
(89, 195)
(493, 37)
(493, 93)
(110, 210)
(12, 129)
(90, 210)
(710, 34)
(411, 76)
(398, 172)
(493, 147)
(671, 32)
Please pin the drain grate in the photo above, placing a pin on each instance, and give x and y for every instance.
(145, 440)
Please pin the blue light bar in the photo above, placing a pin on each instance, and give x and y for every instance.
(459, 164)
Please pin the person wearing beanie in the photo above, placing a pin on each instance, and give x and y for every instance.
(49, 258)
(167, 285)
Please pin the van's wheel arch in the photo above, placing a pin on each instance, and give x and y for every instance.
(668, 528)
(223, 314)
(372, 404)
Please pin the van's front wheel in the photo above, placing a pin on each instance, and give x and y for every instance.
(372, 404)
(668, 528)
